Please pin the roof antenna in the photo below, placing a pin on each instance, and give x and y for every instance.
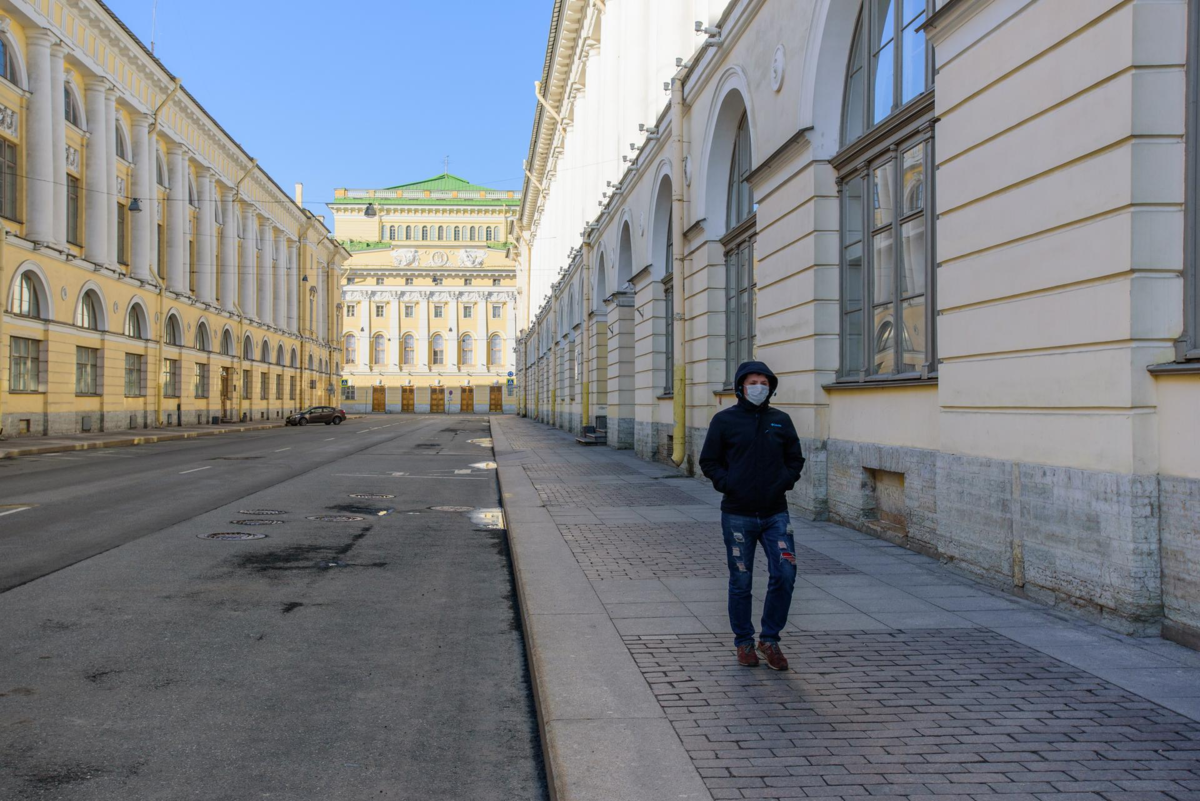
(153, 24)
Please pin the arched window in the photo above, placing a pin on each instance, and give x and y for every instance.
(468, 350)
(886, 267)
(174, 335)
(248, 349)
(134, 324)
(279, 355)
(441, 233)
(226, 344)
(408, 232)
(160, 171)
(71, 108)
(380, 354)
(349, 353)
(669, 308)
(27, 299)
(487, 232)
(266, 352)
(391, 232)
(496, 348)
(8, 62)
(424, 233)
(439, 349)
(310, 361)
(295, 359)
(202, 339)
(472, 233)
(739, 255)
(87, 316)
(122, 144)
(409, 349)
(457, 233)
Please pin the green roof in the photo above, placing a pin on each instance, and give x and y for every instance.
(425, 201)
(444, 182)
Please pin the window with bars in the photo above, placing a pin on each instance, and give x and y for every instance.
(24, 363)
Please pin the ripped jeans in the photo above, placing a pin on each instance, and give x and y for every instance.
(742, 535)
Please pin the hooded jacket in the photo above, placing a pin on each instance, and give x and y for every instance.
(752, 453)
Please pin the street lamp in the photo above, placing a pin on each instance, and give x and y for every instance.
(135, 206)
(370, 212)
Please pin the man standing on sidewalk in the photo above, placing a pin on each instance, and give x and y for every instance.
(752, 456)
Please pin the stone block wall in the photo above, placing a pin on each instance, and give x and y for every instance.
(1179, 530)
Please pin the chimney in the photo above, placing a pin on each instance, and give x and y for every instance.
(299, 194)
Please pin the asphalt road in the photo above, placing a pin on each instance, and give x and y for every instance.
(378, 657)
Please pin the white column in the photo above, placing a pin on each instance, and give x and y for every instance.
(424, 309)
(176, 219)
(95, 243)
(143, 181)
(293, 286)
(229, 254)
(481, 334)
(247, 284)
(321, 323)
(206, 227)
(509, 348)
(452, 335)
(263, 307)
(39, 189)
(110, 168)
(58, 126)
(395, 346)
(279, 296)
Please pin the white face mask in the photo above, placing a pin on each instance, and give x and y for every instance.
(757, 393)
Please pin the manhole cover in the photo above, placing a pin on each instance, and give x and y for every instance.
(369, 496)
(261, 512)
(452, 508)
(334, 518)
(232, 535)
(255, 522)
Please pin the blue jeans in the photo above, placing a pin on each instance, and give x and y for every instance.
(742, 535)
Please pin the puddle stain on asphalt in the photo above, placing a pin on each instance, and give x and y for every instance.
(304, 557)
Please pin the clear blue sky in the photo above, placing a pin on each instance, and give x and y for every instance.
(360, 93)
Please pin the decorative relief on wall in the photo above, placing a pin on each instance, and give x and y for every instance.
(72, 158)
(470, 258)
(439, 258)
(778, 62)
(9, 122)
(406, 258)
(120, 186)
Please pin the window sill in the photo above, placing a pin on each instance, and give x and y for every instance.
(666, 396)
(135, 396)
(88, 395)
(726, 391)
(176, 397)
(1175, 368)
(884, 384)
(26, 392)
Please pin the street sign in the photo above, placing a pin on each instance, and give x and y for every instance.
(510, 382)
(345, 382)
(510, 373)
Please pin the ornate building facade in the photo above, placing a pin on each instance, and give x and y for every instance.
(979, 284)
(429, 297)
(152, 273)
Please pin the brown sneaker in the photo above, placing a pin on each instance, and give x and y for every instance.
(746, 656)
(775, 658)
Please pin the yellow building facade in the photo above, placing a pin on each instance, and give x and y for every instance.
(429, 297)
(152, 274)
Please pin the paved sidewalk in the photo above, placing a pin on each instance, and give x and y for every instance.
(31, 446)
(907, 679)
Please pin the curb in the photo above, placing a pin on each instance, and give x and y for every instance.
(129, 442)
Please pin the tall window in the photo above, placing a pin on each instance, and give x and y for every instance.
(71, 108)
(391, 232)
(226, 344)
(496, 357)
(279, 386)
(8, 180)
(439, 311)
(292, 388)
(409, 349)
(171, 378)
(408, 232)
(740, 222)
(201, 380)
(441, 233)
(468, 309)
(122, 235)
(887, 217)
(25, 364)
(350, 353)
(468, 350)
(27, 300)
(122, 147)
(264, 385)
(669, 310)
(1188, 346)
(73, 210)
(380, 349)
(174, 336)
(133, 324)
(457, 233)
(8, 64)
(472, 233)
(86, 362)
(380, 310)
(247, 390)
(497, 310)
(248, 349)
(424, 232)
(86, 315)
(408, 310)
(439, 349)
(133, 375)
(351, 309)
(487, 234)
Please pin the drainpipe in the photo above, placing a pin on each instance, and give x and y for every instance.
(587, 335)
(679, 295)
(3, 310)
(162, 285)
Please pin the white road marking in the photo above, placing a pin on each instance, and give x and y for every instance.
(14, 511)
(281, 450)
(462, 472)
(196, 470)
(331, 439)
(401, 475)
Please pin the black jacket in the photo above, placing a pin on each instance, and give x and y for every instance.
(752, 453)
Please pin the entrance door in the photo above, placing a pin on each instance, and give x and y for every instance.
(226, 393)
(407, 400)
(496, 399)
(466, 404)
(437, 400)
(378, 399)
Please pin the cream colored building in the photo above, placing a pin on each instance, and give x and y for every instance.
(978, 285)
(152, 273)
(429, 297)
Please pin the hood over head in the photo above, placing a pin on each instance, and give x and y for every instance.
(746, 368)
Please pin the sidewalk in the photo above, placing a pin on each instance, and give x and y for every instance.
(906, 679)
(31, 446)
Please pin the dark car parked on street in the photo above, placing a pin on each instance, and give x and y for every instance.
(317, 414)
